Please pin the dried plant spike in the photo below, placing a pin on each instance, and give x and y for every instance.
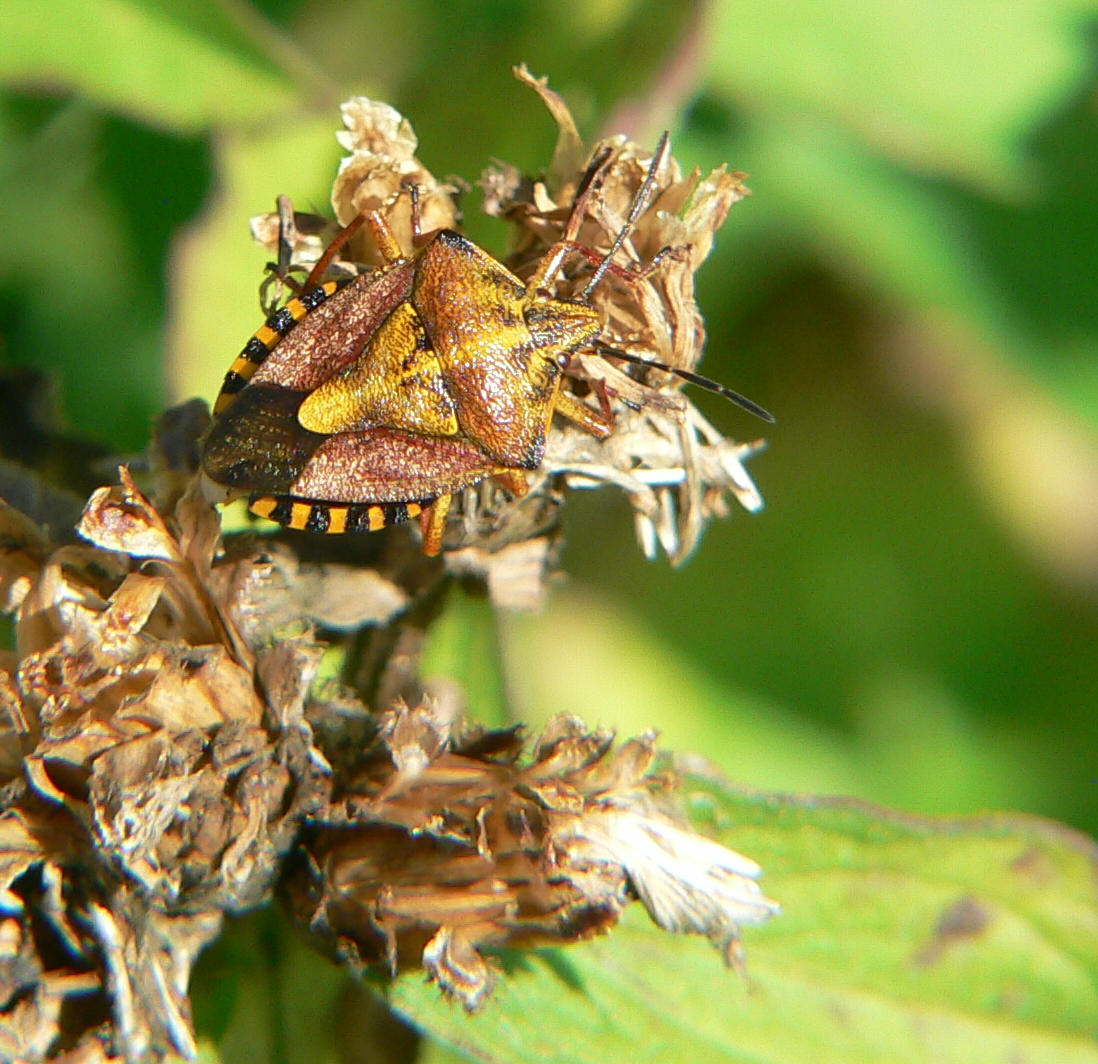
(174, 741)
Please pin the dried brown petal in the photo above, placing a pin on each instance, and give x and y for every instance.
(569, 154)
(15, 729)
(271, 593)
(516, 574)
(126, 521)
(451, 960)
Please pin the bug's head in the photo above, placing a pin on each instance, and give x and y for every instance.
(561, 325)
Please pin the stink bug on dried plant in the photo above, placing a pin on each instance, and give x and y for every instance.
(367, 401)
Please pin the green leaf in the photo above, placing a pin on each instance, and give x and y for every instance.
(936, 84)
(901, 939)
(462, 647)
(183, 67)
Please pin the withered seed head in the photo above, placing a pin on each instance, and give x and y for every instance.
(449, 844)
(163, 764)
(149, 787)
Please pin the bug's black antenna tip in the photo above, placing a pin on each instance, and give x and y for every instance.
(691, 377)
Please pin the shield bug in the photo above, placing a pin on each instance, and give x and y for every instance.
(365, 402)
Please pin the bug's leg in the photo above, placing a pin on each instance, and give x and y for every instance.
(514, 480)
(270, 289)
(599, 423)
(287, 236)
(387, 245)
(432, 523)
(633, 274)
(551, 264)
(603, 393)
(339, 241)
(386, 242)
(419, 237)
(278, 275)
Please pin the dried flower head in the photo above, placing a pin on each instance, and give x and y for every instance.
(674, 466)
(447, 844)
(165, 763)
(148, 786)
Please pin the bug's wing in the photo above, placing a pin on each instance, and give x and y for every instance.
(257, 444)
(330, 337)
(385, 465)
(396, 381)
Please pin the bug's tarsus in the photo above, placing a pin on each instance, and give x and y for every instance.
(589, 185)
(279, 274)
(276, 280)
(419, 237)
(287, 235)
(596, 169)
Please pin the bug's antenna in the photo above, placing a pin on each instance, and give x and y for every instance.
(641, 203)
(691, 377)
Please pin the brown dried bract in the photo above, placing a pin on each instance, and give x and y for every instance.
(672, 463)
(148, 787)
(165, 760)
(449, 844)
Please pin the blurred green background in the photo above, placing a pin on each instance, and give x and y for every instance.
(911, 289)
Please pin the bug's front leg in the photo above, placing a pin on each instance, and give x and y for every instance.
(600, 423)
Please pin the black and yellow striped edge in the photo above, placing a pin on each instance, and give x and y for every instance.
(307, 515)
(266, 338)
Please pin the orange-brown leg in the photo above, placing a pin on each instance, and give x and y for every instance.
(550, 265)
(633, 274)
(514, 480)
(339, 241)
(387, 244)
(432, 523)
(599, 424)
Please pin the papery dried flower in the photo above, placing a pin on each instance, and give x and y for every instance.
(156, 788)
(447, 846)
(673, 464)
